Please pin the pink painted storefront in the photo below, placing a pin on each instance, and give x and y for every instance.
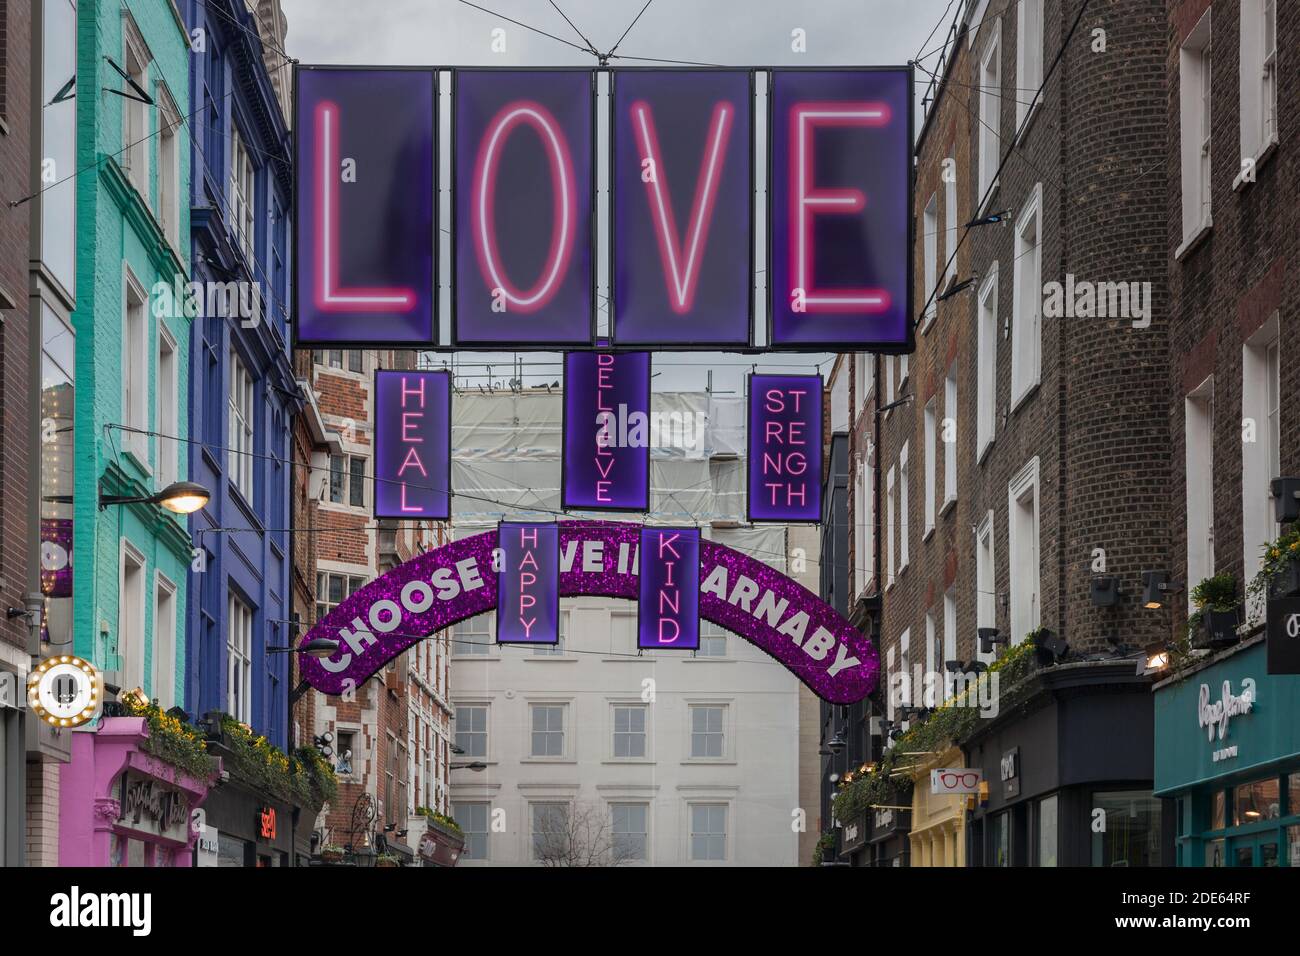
(122, 806)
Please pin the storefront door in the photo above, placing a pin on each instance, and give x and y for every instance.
(1259, 850)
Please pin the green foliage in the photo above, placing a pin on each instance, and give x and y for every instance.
(825, 843)
(1278, 555)
(304, 779)
(441, 818)
(171, 740)
(1217, 593)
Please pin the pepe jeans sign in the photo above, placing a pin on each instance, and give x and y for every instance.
(150, 807)
(434, 590)
(1215, 717)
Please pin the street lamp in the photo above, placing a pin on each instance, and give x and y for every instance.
(476, 766)
(316, 647)
(180, 497)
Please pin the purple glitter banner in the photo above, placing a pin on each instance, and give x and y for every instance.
(528, 583)
(431, 592)
(606, 459)
(785, 442)
(668, 608)
(412, 444)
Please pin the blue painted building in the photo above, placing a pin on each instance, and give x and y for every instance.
(242, 392)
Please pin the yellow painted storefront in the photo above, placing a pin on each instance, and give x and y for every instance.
(938, 821)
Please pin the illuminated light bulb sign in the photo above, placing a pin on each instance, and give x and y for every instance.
(412, 444)
(682, 234)
(668, 607)
(528, 583)
(364, 254)
(606, 457)
(785, 448)
(522, 236)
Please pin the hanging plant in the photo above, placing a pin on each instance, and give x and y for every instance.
(1217, 612)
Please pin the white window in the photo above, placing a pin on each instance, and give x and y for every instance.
(239, 454)
(708, 831)
(242, 193)
(629, 825)
(549, 825)
(1022, 527)
(547, 729)
(472, 637)
(864, 378)
(986, 369)
(135, 112)
(629, 731)
(348, 480)
(950, 230)
(889, 528)
(889, 684)
(903, 482)
(933, 648)
(471, 729)
(348, 758)
(985, 579)
(163, 685)
(239, 660)
(889, 381)
(864, 525)
(130, 617)
(1199, 440)
(1258, 64)
(708, 731)
(931, 461)
(904, 365)
(1027, 299)
(949, 629)
(713, 640)
(168, 408)
(990, 118)
(1260, 458)
(930, 239)
(905, 667)
(1194, 112)
(473, 820)
(169, 168)
(135, 370)
(332, 589)
(1029, 55)
(948, 433)
(556, 649)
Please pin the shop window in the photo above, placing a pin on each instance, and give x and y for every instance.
(1214, 852)
(1132, 834)
(1256, 802)
(1000, 840)
(1047, 831)
(1293, 845)
(1219, 810)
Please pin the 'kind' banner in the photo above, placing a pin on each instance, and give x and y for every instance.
(785, 448)
(364, 181)
(528, 583)
(606, 459)
(412, 444)
(668, 608)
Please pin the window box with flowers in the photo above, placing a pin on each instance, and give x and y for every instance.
(443, 839)
(1217, 613)
(304, 779)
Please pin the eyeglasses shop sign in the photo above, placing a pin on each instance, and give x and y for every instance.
(947, 780)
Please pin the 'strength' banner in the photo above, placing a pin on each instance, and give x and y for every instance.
(839, 206)
(364, 169)
(668, 608)
(524, 181)
(412, 444)
(785, 447)
(528, 583)
(606, 456)
(682, 230)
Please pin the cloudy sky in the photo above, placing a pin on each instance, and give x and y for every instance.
(728, 32)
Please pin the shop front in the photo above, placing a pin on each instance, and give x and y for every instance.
(1228, 757)
(1067, 766)
(854, 849)
(121, 805)
(249, 828)
(938, 835)
(888, 843)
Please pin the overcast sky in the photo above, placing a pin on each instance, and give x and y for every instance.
(728, 32)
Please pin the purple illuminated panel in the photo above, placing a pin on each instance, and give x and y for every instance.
(606, 462)
(412, 444)
(528, 583)
(364, 249)
(839, 204)
(668, 609)
(785, 442)
(682, 226)
(522, 237)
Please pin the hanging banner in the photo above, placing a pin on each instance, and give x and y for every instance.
(606, 459)
(523, 165)
(412, 444)
(839, 208)
(785, 448)
(528, 583)
(668, 600)
(364, 226)
(681, 232)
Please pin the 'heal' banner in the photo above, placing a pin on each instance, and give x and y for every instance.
(839, 206)
(412, 444)
(364, 249)
(522, 221)
(682, 207)
(606, 459)
(528, 583)
(785, 443)
(668, 608)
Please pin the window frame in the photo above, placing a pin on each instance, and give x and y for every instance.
(1027, 302)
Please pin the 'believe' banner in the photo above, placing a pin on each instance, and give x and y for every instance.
(668, 609)
(528, 583)
(785, 447)
(682, 230)
(521, 233)
(364, 252)
(606, 461)
(412, 444)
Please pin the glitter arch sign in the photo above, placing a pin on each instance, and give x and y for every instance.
(597, 558)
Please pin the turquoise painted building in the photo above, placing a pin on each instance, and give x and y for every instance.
(130, 562)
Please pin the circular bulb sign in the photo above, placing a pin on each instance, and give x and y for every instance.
(65, 691)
